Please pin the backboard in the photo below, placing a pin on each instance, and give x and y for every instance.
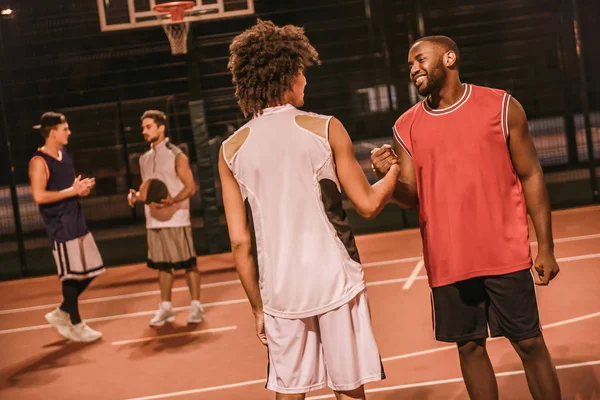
(117, 15)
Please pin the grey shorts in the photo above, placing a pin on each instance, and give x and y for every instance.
(171, 248)
(78, 259)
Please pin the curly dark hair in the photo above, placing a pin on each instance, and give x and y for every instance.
(264, 61)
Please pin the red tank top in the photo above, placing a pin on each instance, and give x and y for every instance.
(472, 211)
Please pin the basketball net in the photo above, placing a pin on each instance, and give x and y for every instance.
(177, 33)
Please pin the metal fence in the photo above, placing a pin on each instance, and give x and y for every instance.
(362, 82)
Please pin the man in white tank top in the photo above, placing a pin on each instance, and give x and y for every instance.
(281, 176)
(168, 225)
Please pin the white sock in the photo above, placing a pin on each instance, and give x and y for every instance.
(196, 303)
(166, 305)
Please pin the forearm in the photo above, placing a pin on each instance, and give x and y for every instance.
(405, 194)
(381, 192)
(538, 206)
(48, 196)
(247, 270)
(185, 193)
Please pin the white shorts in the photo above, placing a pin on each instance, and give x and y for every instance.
(336, 349)
(78, 258)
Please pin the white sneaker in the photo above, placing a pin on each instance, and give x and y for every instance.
(83, 333)
(162, 315)
(59, 320)
(196, 314)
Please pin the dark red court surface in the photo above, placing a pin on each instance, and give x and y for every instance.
(222, 359)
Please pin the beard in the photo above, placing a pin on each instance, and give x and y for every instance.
(434, 79)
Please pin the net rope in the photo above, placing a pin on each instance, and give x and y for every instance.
(177, 33)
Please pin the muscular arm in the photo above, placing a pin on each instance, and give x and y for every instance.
(239, 235)
(39, 179)
(182, 167)
(368, 200)
(529, 170)
(405, 191)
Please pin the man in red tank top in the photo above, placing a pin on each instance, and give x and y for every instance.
(468, 161)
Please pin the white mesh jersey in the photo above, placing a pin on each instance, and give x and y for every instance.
(159, 163)
(307, 258)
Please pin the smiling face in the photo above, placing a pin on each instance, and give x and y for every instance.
(428, 63)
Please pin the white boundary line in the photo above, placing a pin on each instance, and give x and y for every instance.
(238, 301)
(174, 335)
(194, 391)
(119, 297)
(374, 390)
(454, 380)
(453, 347)
(235, 282)
(123, 316)
(413, 275)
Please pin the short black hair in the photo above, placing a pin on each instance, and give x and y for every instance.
(158, 116)
(445, 42)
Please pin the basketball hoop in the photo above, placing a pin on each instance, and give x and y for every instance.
(174, 24)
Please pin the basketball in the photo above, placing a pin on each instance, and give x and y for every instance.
(154, 191)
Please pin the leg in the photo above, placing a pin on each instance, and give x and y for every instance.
(192, 276)
(477, 370)
(539, 370)
(165, 281)
(82, 285)
(70, 305)
(282, 396)
(514, 314)
(358, 393)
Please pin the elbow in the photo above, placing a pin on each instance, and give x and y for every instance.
(38, 199)
(241, 245)
(367, 211)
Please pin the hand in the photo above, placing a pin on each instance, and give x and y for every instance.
(259, 321)
(382, 159)
(163, 203)
(132, 197)
(82, 187)
(546, 267)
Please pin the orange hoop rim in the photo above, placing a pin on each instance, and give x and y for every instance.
(176, 9)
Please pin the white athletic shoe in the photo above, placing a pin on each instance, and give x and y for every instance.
(59, 320)
(83, 333)
(162, 315)
(196, 314)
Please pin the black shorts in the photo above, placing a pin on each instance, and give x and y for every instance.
(507, 303)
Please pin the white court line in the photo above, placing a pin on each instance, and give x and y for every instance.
(454, 380)
(452, 347)
(413, 275)
(123, 316)
(174, 335)
(573, 239)
(194, 391)
(120, 297)
(374, 390)
(237, 301)
(235, 282)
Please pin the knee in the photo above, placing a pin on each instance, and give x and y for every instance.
(530, 347)
(471, 348)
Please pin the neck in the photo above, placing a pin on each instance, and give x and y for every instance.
(52, 148)
(447, 95)
(159, 140)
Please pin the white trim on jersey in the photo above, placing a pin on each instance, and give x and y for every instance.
(399, 139)
(504, 116)
(452, 108)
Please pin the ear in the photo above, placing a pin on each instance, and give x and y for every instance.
(450, 59)
(161, 128)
